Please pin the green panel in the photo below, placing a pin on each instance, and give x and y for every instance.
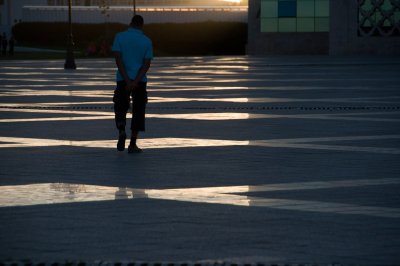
(305, 8)
(269, 25)
(322, 24)
(269, 9)
(387, 5)
(367, 23)
(322, 8)
(287, 8)
(378, 17)
(360, 17)
(387, 23)
(397, 17)
(367, 5)
(305, 25)
(287, 25)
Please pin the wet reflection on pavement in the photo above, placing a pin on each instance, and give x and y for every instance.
(57, 193)
(189, 86)
(174, 143)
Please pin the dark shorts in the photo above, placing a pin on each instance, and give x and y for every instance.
(122, 100)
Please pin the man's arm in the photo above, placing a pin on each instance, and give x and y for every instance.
(143, 70)
(133, 84)
(121, 67)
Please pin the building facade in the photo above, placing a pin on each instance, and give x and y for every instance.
(123, 14)
(11, 12)
(88, 11)
(144, 2)
(336, 27)
(275, 27)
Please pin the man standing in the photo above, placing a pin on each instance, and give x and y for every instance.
(133, 52)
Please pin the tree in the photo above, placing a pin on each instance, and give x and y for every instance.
(104, 6)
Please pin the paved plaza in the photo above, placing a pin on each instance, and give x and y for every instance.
(281, 160)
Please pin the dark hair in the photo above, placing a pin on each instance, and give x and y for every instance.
(137, 21)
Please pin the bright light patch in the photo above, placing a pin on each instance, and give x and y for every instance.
(233, 1)
(58, 193)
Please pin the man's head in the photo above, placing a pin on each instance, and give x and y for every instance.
(137, 21)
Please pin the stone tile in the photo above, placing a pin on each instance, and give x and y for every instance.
(250, 160)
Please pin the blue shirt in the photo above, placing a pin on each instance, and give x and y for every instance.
(134, 47)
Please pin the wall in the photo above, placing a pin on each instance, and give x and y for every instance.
(4, 16)
(344, 39)
(11, 12)
(124, 15)
(260, 43)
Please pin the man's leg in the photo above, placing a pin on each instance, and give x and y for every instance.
(121, 106)
(138, 115)
(132, 145)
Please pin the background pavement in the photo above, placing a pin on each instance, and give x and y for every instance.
(248, 160)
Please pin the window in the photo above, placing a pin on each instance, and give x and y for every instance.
(286, 8)
(321, 8)
(294, 15)
(305, 24)
(287, 25)
(306, 8)
(269, 9)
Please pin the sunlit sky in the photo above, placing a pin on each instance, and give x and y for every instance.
(239, 2)
(242, 2)
(187, 2)
(232, 1)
